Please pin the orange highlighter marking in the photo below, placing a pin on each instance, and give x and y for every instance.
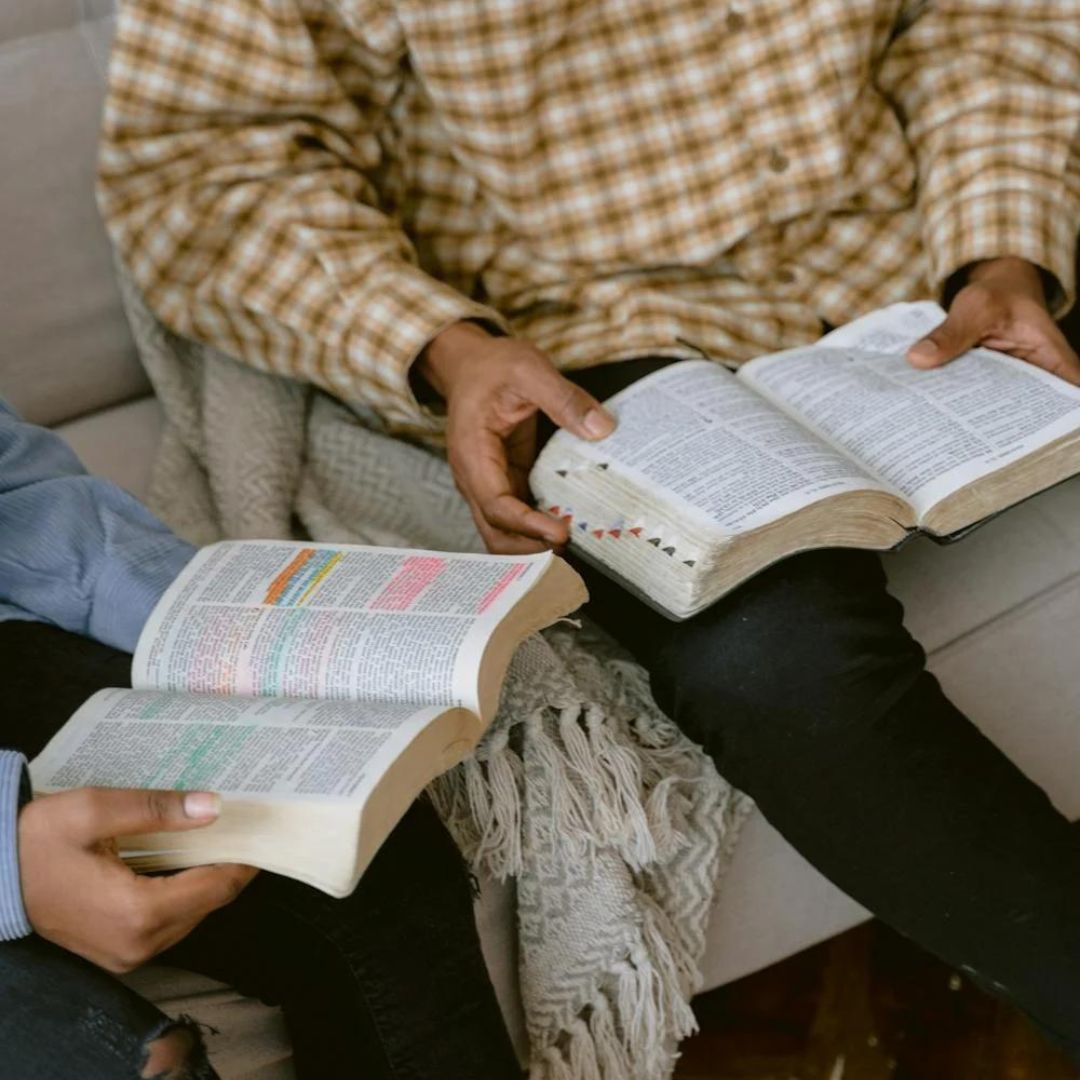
(283, 580)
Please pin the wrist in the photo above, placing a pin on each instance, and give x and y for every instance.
(1013, 273)
(442, 359)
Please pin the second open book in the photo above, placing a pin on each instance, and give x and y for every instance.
(711, 475)
(318, 688)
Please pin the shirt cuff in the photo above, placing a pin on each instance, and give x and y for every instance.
(14, 791)
(1021, 222)
(133, 579)
(397, 323)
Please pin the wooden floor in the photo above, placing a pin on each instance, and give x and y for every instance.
(867, 1005)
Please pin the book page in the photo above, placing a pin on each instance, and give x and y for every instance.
(926, 433)
(729, 458)
(257, 748)
(890, 329)
(267, 618)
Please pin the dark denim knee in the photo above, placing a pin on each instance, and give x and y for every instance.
(808, 654)
(61, 1016)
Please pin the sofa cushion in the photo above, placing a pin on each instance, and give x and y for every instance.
(1016, 677)
(119, 443)
(67, 350)
(949, 591)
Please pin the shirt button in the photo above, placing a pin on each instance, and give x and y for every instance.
(736, 21)
(778, 160)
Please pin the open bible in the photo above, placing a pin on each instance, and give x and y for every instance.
(317, 688)
(712, 475)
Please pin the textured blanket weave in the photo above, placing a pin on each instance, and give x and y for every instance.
(613, 825)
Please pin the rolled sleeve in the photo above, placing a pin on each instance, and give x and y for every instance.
(1003, 219)
(141, 561)
(408, 312)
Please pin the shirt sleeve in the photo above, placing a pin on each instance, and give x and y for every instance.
(14, 791)
(241, 145)
(76, 550)
(989, 91)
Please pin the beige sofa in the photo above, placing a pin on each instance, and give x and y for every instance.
(1000, 613)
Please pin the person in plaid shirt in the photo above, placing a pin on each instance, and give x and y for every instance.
(470, 215)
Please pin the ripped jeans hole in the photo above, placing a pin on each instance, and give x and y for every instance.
(176, 1051)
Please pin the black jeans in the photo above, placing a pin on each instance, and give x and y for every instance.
(388, 983)
(810, 696)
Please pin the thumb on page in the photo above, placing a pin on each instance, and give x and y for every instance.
(960, 331)
(96, 814)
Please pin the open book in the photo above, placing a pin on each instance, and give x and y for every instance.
(712, 475)
(318, 688)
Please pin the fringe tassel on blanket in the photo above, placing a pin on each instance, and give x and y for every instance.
(632, 1037)
(596, 795)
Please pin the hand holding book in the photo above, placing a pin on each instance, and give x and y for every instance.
(493, 388)
(80, 895)
(1002, 306)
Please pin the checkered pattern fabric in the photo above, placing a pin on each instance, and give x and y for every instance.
(318, 187)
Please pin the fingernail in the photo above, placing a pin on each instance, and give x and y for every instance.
(598, 423)
(553, 534)
(924, 350)
(202, 804)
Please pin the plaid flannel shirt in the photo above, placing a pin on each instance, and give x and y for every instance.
(317, 187)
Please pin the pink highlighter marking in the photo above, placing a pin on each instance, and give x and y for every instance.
(415, 575)
(500, 586)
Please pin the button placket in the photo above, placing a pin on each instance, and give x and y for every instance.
(777, 160)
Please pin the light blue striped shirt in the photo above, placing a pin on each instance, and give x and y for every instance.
(78, 552)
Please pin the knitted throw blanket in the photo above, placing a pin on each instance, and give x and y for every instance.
(613, 826)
